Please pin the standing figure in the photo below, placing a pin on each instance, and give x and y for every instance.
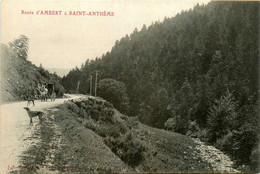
(53, 96)
(43, 92)
(30, 96)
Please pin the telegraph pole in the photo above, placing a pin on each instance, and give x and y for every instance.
(90, 92)
(96, 84)
(77, 90)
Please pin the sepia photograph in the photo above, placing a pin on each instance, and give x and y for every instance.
(129, 86)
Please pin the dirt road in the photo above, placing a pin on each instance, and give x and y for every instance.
(15, 129)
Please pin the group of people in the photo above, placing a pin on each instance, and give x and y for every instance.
(40, 93)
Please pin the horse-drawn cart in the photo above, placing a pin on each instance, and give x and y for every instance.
(46, 91)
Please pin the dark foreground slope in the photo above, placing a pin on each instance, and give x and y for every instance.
(19, 77)
(91, 136)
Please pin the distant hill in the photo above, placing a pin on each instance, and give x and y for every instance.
(59, 71)
(19, 77)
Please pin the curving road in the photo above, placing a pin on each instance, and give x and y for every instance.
(15, 129)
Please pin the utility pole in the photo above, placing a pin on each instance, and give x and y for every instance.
(96, 84)
(90, 92)
(77, 90)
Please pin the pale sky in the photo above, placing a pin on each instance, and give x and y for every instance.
(67, 41)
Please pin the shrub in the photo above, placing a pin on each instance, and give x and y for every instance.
(193, 129)
(89, 123)
(73, 107)
(170, 124)
(114, 92)
(203, 135)
(225, 142)
(59, 89)
(129, 149)
(108, 131)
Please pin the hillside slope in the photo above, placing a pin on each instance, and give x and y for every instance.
(19, 77)
(200, 67)
(76, 137)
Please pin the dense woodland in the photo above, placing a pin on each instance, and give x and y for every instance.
(195, 73)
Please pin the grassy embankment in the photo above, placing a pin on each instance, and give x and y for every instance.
(91, 136)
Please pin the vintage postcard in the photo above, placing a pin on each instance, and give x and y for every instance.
(129, 86)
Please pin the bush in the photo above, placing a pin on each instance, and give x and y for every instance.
(114, 92)
(170, 124)
(129, 149)
(73, 107)
(203, 135)
(91, 124)
(193, 129)
(59, 90)
(226, 142)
